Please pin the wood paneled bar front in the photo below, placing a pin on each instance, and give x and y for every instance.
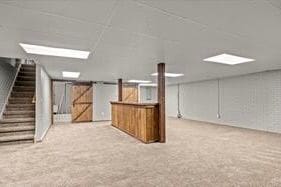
(139, 120)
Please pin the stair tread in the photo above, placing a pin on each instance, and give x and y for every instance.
(16, 142)
(16, 116)
(19, 108)
(20, 112)
(27, 86)
(29, 64)
(27, 72)
(12, 106)
(23, 98)
(26, 68)
(24, 83)
(17, 132)
(19, 95)
(17, 120)
(18, 105)
(23, 92)
(17, 128)
(29, 81)
(29, 78)
(4, 125)
(17, 137)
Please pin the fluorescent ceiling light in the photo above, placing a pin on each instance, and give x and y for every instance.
(68, 74)
(138, 81)
(51, 51)
(169, 74)
(228, 59)
(151, 85)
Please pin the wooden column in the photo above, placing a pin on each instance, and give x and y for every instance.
(120, 90)
(161, 101)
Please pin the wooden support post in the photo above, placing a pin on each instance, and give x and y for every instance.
(120, 86)
(161, 101)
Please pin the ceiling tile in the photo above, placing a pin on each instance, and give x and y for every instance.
(94, 11)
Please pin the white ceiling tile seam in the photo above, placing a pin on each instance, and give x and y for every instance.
(204, 26)
(86, 22)
(54, 15)
(152, 7)
(109, 19)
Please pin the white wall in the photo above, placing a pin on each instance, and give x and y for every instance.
(43, 103)
(147, 94)
(250, 101)
(102, 95)
(171, 100)
(193, 98)
(7, 76)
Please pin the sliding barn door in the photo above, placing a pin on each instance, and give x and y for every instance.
(82, 103)
(130, 94)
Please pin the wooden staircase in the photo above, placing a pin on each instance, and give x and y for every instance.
(18, 123)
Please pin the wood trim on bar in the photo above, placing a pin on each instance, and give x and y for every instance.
(161, 101)
(120, 90)
(146, 105)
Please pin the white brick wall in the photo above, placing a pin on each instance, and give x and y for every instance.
(250, 101)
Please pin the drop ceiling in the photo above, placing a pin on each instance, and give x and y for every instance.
(127, 38)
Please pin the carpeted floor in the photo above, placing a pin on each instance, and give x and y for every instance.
(96, 154)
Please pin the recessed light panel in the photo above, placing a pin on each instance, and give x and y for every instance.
(149, 85)
(68, 74)
(139, 81)
(51, 51)
(228, 59)
(170, 74)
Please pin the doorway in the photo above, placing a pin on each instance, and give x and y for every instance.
(61, 102)
(72, 101)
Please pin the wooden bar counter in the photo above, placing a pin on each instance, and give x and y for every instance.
(139, 120)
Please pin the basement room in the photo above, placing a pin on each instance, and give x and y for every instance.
(140, 93)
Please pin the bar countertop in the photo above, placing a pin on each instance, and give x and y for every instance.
(135, 104)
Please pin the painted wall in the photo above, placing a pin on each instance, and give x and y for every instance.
(102, 95)
(250, 101)
(147, 94)
(7, 76)
(43, 103)
(171, 100)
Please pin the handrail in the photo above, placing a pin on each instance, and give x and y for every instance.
(10, 91)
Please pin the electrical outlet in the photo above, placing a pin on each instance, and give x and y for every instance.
(218, 116)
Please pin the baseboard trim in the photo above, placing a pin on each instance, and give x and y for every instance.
(227, 125)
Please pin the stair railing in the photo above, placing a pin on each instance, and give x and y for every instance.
(10, 90)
